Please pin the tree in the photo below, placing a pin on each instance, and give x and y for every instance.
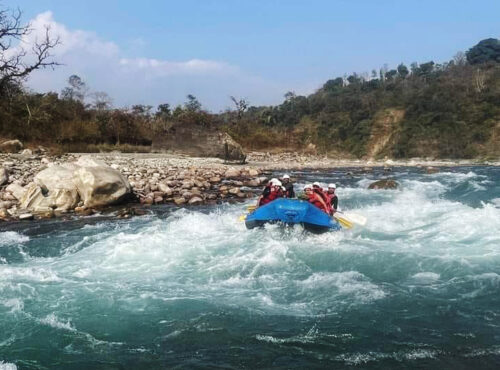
(354, 78)
(290, 95)
(77, 89)
(487, 50)
(241, 105)
(101, 100)
(426, 68)
(460, 59)
(403, 70)
(163, 111)
(14, 64)
(141, 110)
(192, 104)
(414, 68)
(391, 74)
(332, 85)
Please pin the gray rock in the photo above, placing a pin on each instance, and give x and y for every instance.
(11, 146)
(100, 185)
(253, 183)
(384, 184)
(26, 216)
(57, 185)
(232, 172)
(4, 176)
(6, 204)
(16, 190)
(234, 191)
(164, 188)
(187, 184)
(195, 200)
(179, 201)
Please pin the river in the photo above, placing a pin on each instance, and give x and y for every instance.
(417, 287)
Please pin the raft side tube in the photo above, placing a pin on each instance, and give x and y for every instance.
(290, 212)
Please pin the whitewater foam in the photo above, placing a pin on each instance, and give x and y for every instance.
(198, 273)
(7, 366)
(9, 238)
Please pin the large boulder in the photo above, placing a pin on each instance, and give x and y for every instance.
(100, 185)
(384, 184)
(57, 184)
(61, 187)
(11, 146)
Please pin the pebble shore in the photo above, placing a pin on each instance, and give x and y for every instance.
(183, 180)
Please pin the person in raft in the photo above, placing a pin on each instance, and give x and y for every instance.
(319, 190)
(314, 198)
(271, 192)
(332, 198)
(288, 192)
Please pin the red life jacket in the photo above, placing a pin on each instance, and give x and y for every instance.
(314, 200)
(270, 197)
(325, 198)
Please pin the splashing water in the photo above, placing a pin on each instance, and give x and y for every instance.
(417, 287)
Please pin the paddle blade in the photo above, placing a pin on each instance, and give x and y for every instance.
(251, 208)
(242, 218)
(343, 221)
(356, 218)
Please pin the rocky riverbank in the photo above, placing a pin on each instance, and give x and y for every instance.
(296, 160)
(40, 186)
(34, 184)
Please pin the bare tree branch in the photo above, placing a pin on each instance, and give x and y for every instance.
(13, 64)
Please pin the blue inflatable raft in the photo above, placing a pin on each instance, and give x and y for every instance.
(292, 211)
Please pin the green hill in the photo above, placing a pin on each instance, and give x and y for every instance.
(438, 110)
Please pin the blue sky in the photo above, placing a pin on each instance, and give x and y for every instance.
(152, 52)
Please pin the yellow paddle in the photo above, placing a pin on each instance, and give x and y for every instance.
(250, 209)
(342, 221)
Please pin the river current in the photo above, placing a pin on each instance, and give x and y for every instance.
(417, 287)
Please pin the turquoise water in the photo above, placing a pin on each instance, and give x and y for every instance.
(418, 287)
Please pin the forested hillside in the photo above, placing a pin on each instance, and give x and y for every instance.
(429, 109)
(440, 110)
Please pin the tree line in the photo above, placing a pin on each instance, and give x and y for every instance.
(449, 109)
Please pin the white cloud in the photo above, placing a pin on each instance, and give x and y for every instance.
(83, 41)
(165, 68)
(105, 67)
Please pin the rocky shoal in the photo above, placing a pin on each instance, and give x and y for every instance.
(176, 179)
(154, 179)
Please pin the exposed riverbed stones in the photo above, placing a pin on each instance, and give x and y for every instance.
(166, 178)
(47, 185)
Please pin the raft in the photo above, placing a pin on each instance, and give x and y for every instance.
(291, 212)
